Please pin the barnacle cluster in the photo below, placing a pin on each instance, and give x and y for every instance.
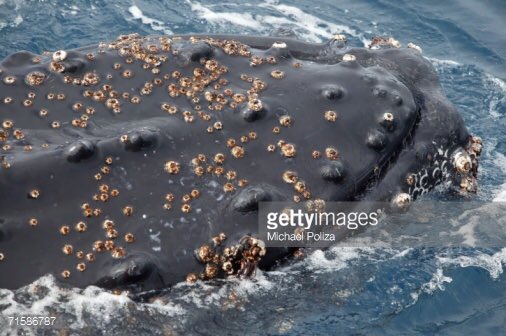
(239, 259)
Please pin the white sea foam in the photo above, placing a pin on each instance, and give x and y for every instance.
(492, 108)
(402, 253)
(308, 26)
(18, 20)
(497, 88)
(437, 282)
(467, 230)
(315, 27)
(89, 304)
(335, 259)
(157, 25)
(500, 163)
(70, 9)
(492, 263)
(15, 23)
(205, 296)
(497, 82)
(440, 63)
(488, 79)
(500, 195)
(240, 19)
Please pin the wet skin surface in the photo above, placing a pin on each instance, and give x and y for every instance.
(121, 160)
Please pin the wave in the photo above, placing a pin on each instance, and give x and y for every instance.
(78, 307)
(275, 15)
(154, 24)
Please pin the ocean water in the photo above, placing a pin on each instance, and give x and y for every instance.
(344, 290)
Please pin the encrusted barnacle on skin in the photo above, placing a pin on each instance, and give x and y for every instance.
(90, 257)
(194, 133)
(34, 194)
(468, 184)
(349, 58)
(462, 161)
(228, 187)
(81, 227)
(67, 249)
(401, 200)
(118, 252)
(339, 37)
(240, 259)
(65, 230)
(411, 45)
(59, 55)
(286, 121)
(252, 251)
(191, 278)
(255, 104)
(288, 150)
(387, 120)
(33, 222)
(290, 177)
(331, 153)
(81, 267)
(8, 80)
(410, 179)
(65, 274)
(205, 253)
(316, 205)
(210, 271)
(237, 152)
(277, 74)
(330, 116)
(217, 240)
(379, 42)
(475, 147)
(35, 78)
(128, 210)
(172, 167)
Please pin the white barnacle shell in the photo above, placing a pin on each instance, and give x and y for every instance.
(411, 45)
(349, 58)
(59, 55)
(261, 245)
(279, 45)
(339, 37)
(394, 43)
(462, 161)
(402, 200)
(388, 117)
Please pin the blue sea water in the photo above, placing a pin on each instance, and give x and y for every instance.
(360, 291)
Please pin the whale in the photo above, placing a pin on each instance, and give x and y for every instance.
(139, 163)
